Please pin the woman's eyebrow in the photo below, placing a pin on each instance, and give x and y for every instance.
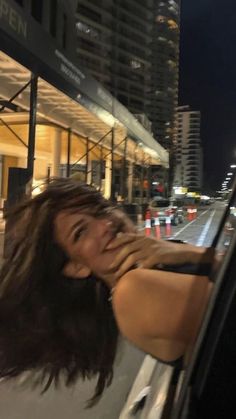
(76, 224)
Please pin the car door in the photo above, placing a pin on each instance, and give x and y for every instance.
(208, 387)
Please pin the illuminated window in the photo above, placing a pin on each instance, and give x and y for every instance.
(161, 38)
(173, 10)
(171, 63)
(171, 43)
(88, 30)
(135, 64)
(172, 24)
(161, 19)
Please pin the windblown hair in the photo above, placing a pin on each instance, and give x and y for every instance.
(50, 324)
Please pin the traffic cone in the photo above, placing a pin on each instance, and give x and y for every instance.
(148, 226)
(157, 226)
(168, 227)
(189, 214)
(194, 213)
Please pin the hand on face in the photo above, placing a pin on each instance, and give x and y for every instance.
(133, 251)
(138, 251)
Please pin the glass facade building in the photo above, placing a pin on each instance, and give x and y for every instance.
(114, 44)
(189, 161)
(165, 69)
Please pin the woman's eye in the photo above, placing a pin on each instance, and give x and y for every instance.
(79, 233)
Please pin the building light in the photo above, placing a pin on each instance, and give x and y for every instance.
(84, 28)
(161, 38)
(172, 24)
(135, 64)
(161, 19)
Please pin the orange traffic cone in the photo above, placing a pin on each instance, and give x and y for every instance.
(157, 226)
(168, 227)
(148, 226)
(189, 214)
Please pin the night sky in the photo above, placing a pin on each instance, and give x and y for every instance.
(208, 80)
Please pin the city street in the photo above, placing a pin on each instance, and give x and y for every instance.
(69, 404)
(202, 230)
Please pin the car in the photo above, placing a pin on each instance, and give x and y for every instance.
(166, 208)
(204, 387)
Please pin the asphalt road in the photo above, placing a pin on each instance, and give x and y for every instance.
(200, 231)
(69, 404)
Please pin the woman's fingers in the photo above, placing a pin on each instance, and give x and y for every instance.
(131, 262)
(121, 239)
(126, 249)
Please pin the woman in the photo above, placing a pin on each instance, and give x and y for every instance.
(77, 273)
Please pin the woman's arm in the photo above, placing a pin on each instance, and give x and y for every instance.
(160, 312)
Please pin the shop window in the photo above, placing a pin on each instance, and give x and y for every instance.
(37, 10)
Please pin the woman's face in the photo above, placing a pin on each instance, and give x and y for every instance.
(85, 239)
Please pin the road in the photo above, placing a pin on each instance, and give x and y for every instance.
(69, 404)
(202, 230)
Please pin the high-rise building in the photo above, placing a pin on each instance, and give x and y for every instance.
(132, 48)
(188, 171)
(114, 43)
(164, 71)
(163, 95)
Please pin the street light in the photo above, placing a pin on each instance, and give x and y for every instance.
(233, 166)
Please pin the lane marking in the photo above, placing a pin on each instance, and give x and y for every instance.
(204, 232)
(191, 222)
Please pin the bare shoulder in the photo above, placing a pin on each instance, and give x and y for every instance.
(129, 288)
(127, 300)
(157, 304)
(138, 301)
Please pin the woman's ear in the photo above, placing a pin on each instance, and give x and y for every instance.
(76, 270)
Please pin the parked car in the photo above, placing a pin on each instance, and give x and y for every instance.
(166, 207)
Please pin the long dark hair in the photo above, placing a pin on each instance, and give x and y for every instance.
(49, 323)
